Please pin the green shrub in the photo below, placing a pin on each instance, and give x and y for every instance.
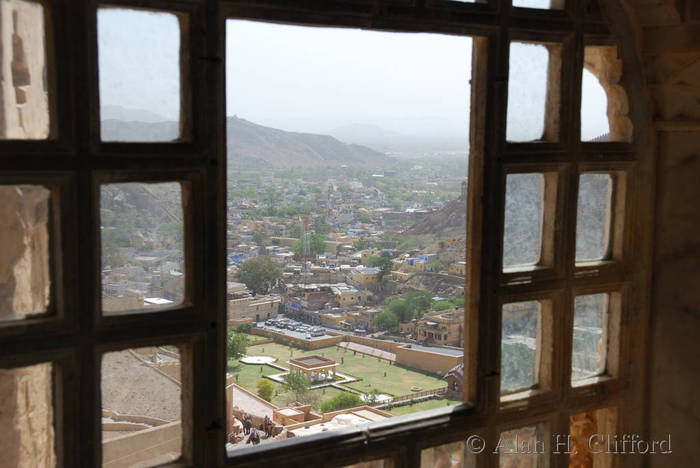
(340, 401)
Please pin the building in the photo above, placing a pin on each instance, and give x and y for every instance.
(458, 268)
(444, 327)
(242, 306)
(455, 377)
(365, 275)
(316, 368)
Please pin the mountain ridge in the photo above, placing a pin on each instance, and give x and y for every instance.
(250, 143)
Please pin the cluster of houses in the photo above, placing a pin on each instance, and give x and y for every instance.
(148, 279)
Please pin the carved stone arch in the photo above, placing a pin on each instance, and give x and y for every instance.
(603, 62)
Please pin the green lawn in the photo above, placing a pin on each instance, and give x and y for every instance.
(374, 374)
(248, 376)
(422, 406)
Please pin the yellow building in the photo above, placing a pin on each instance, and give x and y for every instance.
(365, 275)
(458, 268)
(442, 327)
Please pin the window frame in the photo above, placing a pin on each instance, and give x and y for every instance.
(76, 154)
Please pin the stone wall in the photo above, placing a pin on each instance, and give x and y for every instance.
(143, 448)
(426, 361)
(669, 45)
(27, 413)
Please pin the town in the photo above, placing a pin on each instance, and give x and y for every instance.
(345, 298)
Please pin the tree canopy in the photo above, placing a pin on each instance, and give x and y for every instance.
(236, 344)
(340, 401)
(384, 262)
(259, 274)
(386, 320)
(265, 389)
(317, 245)
(298, 384)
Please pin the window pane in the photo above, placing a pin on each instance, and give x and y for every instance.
(540, 4)
(589, 444)
(383, 463)
(521, 448)
(139, 67)
(24, 112)
(142, 246)
(25, 230)
(141, 407)
(519, 331)
(595, 125)
(332, 143)
(593, 216)
(27, 416)
(451, 455)
(590, 336)
(527, 91)
(522, 231)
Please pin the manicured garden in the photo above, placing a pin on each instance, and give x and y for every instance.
(374, 375)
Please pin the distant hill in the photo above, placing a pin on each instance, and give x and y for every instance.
(252, 143)
(448, 221)
(249, 143)
(112, 112)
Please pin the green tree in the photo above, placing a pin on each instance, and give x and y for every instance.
(384, 262)
(365, 219)
(236, 344)
(171, 234)
(340, 401)
(320, 224)
(360, 244)
(442, 305)
(386, 320)
(294, 230)
(317, 245)
(259, 274)
(298, 384)
(259, 237)
(244, 328)
(265, 389)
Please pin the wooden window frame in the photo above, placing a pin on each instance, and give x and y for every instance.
(76, 337)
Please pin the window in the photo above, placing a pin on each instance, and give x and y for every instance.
(73, 167)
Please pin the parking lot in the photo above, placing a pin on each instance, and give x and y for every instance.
(302, 335)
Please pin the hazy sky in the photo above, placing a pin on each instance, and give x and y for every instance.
(318, 79)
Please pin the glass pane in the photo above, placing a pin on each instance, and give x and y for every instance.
(540, 4)
(451, 455)
(141, 407)
(139, 67)
(25, 230)
(590, 340)
(383, 463)
(593, 216)
(595, 125)
(339, 181)
(527, 91)
(142, 246)
(591, 443)
(522, 230)
(27, 416)
(519, 329)
(24, 105)
(521, 448)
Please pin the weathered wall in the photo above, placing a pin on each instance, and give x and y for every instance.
(425, 361)
(158, 444)
(670, 47)
(26, 419)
